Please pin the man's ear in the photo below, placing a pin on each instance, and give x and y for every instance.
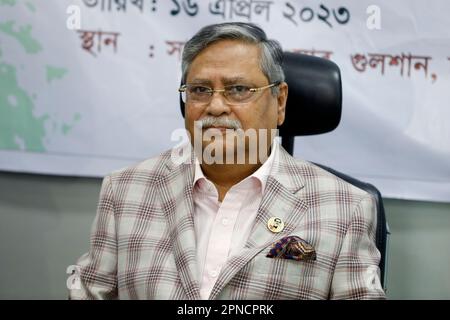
(281, 102)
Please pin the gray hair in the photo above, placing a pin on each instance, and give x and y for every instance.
(271, 52)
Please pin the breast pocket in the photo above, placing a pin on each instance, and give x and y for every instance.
(269, 278)
(264, 265)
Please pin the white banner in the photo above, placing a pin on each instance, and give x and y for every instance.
(90, 86)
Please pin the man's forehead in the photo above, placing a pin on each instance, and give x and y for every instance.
(229, 47)
(223, 79)
(230, 43)
(227, 62)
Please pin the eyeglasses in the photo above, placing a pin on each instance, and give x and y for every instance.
(234, 94)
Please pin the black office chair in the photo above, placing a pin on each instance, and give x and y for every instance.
(314, 106)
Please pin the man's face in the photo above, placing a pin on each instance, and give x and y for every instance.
(231, 62)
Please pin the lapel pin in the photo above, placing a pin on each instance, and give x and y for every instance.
(275, 225)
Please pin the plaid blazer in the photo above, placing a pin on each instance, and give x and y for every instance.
(143, 244)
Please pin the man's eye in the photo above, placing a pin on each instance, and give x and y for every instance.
(238, 89)
(199, 89)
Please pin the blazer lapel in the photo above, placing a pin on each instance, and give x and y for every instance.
(281, 200)
(177, 202)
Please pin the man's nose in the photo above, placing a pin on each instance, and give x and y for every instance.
(218, 105)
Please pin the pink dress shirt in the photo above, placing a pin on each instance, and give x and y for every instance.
(222, 228)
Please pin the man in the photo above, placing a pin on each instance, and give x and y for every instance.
(260, 225)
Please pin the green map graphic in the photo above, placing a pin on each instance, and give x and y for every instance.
(7, 2)
(17, 122)
(23, 36)
(20, 128)
(55, 73)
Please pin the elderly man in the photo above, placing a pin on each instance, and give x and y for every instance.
(212, 227)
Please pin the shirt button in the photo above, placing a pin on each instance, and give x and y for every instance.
(213, 273)
(225, 221)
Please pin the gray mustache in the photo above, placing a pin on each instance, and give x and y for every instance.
(218, 122)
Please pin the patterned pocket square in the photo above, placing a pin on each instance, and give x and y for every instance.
(294, 248)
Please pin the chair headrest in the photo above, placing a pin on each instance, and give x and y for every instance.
(314, 101)
(315, 95)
